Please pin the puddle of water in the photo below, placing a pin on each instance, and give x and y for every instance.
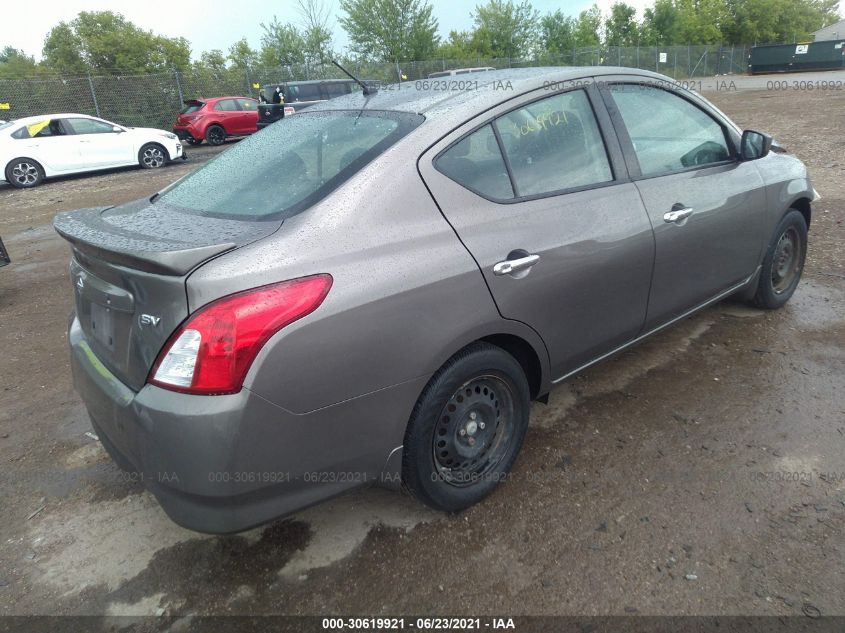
(340, 526)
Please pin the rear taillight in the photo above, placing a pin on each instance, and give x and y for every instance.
(212, 351)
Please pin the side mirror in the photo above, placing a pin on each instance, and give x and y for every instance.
(754, 145)
(117, 129)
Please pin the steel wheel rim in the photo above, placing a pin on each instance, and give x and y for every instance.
(786, 262)
(474, 430)
(215, 135)
(153, 157)
(25, 173)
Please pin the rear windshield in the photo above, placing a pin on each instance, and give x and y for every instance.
(290, 165)
(191, 106)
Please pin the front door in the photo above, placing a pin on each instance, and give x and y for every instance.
(706, 206)
(540, 197)
(99, 144)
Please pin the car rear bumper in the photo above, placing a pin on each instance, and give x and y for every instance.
(222, 464)
(186, 133)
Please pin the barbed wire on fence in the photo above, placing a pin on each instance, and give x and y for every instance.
(152, 100)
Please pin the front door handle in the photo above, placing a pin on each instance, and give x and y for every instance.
(678, 214)
(510, 266)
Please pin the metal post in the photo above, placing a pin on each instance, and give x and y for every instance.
(178, 86)
(638, 55)
(93, 94)
(675, 71)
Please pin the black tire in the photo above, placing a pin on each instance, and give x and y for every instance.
(24, 173)
(783, 263)
(152, 156)
(193, 141)
(215, 135)
(483, 392)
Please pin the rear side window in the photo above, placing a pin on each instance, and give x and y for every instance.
(551, 145)
(476, 163)
(227, 105)
(41, 129)
(337, 89)
(668, 132)
(303, 92)
(292, 164)
(192, 106)
(554, 144)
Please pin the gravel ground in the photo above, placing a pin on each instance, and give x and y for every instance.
(700, 473)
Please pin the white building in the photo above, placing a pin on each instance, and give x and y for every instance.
(832, 32)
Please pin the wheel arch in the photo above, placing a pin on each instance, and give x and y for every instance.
(802, 204)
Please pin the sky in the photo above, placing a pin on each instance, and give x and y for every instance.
(209, 24)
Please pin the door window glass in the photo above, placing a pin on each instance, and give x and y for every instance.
(476, 163)
(227, 105)
(40, 129)
(89, 126)
(337, 89)
(669, 133)
(554, 144)
(248, 104)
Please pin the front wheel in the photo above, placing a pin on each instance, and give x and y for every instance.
(193, 141)
(152, 156)
(783, 263)
(24, 173)
(466, 428)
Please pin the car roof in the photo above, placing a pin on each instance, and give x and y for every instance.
(26, 120)
(470, 94)
(215, 99)
(308, 82)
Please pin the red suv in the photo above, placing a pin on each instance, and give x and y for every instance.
(216, 119)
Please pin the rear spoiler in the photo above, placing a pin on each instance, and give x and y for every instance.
(89, 235)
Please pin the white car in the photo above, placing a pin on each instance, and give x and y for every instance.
(39, 147)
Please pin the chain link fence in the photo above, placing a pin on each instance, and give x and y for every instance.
(153, 100)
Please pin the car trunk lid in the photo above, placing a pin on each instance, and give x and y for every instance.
(129, 269)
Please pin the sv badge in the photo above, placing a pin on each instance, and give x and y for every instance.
(148, 319)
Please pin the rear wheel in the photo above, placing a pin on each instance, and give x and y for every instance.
(466, 429)
(24, 173)
(215, 135)
(152, 156)
(784, 262)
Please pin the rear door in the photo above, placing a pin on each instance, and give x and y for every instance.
(706, 206)
(538, 192)
(228, 114)
(52, 143)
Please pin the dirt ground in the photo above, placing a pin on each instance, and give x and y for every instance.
(702, 472)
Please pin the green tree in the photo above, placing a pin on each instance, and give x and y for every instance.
(281, 44)
(510, 29)
(106, 42)
(621, 28)
(764, 21)
(557, 33)
(316, 30)
(213, 60)
(660, 24)
(588, 27)
(242, 55)
(390, 30)
(15, 64)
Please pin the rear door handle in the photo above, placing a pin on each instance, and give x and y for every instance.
(678, 214)
(515, 265)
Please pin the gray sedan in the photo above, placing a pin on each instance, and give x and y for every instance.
(374, 291)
